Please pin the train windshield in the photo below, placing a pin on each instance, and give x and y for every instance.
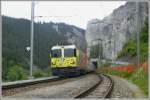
(69, 52)
(56, 53)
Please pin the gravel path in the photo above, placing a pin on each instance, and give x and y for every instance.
(64, 90)
(125, 89)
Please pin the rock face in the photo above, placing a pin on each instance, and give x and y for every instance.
(72, 34)
(117, 28)
(77, 38)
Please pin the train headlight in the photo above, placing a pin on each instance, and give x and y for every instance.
(72, 62)
(53, 63)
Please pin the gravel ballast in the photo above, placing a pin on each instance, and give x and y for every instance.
(122, 89)
(64, 90)
(125, 89)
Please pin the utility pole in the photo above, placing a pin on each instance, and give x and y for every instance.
(106, 46)
(0, 54)
(138, 34)
(112, 45)
(100, 49)
(32, 38)
(114, 34)
(113, 38)
(149, 50)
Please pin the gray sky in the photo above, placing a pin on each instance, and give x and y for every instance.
(76, 13)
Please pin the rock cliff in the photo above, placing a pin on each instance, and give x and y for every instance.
(117, 28)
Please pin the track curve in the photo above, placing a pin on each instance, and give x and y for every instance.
(100, 90)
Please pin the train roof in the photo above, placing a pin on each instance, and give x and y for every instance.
(63, 46)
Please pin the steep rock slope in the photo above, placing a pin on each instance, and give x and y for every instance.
(117, 28)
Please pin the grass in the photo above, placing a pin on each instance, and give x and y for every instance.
(140, 78)
(40, 73)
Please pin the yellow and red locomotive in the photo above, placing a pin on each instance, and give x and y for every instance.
(68, 60)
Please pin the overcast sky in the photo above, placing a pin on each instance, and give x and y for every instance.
(76, 13)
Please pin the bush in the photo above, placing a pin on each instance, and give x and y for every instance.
(120, 73)
(131, 46)
(48, 71)
(39, 73)
(105, 65)
(16, 72)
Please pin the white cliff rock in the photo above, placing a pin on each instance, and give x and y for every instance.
(119, 27)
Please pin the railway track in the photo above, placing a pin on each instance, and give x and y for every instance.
(10, 88)
(13, 88)
(100, 90)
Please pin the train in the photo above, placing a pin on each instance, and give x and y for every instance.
(69, 61)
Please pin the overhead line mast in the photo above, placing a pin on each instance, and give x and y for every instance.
(32, 38)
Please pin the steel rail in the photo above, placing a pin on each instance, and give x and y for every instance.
(86, 92)
(11, 87)
(17, 84)
(110, 88)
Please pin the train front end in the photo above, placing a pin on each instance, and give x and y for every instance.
(64, 60)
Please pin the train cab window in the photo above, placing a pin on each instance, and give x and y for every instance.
(56, 53)
(69, 52)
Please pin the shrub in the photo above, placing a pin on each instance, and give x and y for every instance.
(16, 72)
(130, 47)
(39, 73)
